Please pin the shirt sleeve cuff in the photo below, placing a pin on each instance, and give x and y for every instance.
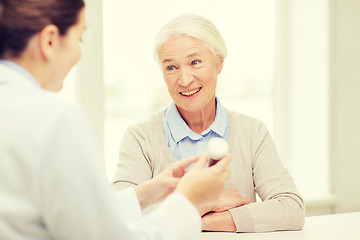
(179, 217)
(129, 204)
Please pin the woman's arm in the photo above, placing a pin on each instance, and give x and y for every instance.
(134, 164)
(228, 199)
(281, 207)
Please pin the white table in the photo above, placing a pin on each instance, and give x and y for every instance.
(344, 226)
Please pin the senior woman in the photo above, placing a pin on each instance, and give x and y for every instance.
(191, 54)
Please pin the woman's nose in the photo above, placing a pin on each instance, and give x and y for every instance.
(186, 77)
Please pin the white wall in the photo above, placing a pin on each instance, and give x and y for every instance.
(345, 103)
(90, 82)
(302, 93)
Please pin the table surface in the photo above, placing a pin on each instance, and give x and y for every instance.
(345, 226)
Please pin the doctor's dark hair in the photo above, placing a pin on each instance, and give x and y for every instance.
(21, 19)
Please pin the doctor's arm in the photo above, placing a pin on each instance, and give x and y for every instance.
(77, 201)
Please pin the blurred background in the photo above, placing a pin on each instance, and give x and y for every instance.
(293, 64)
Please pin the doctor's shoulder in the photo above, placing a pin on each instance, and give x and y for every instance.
(60, 113)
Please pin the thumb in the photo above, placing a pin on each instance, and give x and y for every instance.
(172, 182)
(203, 160)
(222, 164)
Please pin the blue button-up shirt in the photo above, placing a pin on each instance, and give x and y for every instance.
(182, 141)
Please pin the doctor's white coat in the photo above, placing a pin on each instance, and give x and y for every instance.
(53, 184)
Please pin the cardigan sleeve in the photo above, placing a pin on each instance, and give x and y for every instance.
(281, 207)
(134, 165)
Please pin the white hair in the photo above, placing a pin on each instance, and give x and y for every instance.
(194, 26)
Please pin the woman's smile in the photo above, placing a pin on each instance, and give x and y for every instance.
(190, 93)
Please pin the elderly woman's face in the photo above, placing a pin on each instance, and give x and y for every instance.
(190, 71)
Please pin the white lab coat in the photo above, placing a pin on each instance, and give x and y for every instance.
(52, 183)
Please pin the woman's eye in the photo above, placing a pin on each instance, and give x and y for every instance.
(170, 68)
(195, 62)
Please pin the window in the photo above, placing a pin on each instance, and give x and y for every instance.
(302, 94)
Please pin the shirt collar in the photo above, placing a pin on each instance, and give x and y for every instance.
(221, 120)
(19, 69)
(180, 130)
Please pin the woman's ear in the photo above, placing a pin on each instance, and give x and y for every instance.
(48, 41)
(220, 64)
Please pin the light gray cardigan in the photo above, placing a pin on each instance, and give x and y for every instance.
(255, 168)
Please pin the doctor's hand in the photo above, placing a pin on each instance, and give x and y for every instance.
(159, 187)
(204, 186)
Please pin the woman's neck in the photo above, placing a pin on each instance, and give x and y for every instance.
(201, 120)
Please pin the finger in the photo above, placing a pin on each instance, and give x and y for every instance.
(184, 163)
(245, 201)
(223, 177)
(226, 175)
(179, 168)
(203, 160)
(222, 164)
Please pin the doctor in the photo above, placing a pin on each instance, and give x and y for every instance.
(52, 184)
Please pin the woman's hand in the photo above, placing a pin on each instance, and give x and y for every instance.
(217, 217)
(218, 221)
(228, 199)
